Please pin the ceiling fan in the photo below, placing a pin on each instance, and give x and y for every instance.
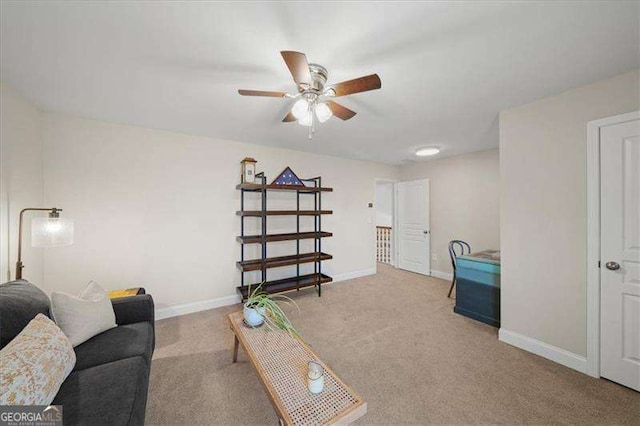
(314, 101)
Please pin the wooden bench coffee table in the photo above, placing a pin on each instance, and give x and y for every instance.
(281, 362)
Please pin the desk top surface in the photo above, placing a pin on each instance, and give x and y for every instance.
(485, 256)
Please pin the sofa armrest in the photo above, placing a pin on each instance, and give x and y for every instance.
(134, 309)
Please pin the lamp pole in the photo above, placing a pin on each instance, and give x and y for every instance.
(53, 213)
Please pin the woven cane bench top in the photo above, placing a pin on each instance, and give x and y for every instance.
(281, 362)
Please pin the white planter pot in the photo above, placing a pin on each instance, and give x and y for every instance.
(253, 317)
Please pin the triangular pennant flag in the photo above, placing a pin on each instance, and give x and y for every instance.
(287, 177)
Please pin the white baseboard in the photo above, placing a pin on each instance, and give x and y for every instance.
(354, 274)
(190, 308)
(443, 275)
(553, 353)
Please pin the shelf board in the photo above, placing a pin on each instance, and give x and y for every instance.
(288, 284)
(301, 188)
(276, 262)
(260, 213)
(252, 239)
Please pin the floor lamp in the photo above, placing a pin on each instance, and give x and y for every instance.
(51, 231)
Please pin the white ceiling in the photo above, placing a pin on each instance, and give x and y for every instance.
(447, 68)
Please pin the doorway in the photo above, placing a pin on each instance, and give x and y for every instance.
(613, 246)
(385, 218)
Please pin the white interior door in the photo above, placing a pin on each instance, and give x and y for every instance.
(413, 237)
(620, 253)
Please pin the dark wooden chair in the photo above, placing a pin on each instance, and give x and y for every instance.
(456, 248)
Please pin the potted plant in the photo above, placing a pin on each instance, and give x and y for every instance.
(262, 307)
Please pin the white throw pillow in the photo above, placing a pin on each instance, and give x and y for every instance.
(85, 316)
(35, 363)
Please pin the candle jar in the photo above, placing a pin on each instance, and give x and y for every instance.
(315, 376)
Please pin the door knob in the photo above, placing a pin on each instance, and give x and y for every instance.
(614, 266)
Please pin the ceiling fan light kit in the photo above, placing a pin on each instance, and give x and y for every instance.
(303, 111)
(314, 102)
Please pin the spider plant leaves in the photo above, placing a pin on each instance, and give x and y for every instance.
(274, 316)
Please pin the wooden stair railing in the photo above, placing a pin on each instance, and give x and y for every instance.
(383, 244)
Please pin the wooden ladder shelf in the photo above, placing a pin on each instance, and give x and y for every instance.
(262, 264)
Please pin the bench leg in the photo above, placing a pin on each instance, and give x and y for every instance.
(236, 342)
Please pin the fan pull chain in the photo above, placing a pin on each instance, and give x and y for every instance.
(312, 128)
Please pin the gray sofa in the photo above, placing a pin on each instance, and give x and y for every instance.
(109, 382)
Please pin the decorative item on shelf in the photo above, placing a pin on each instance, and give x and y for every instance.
(287, 177)
(51, 231)
(263, 308)
(248, 170)
(315, 375)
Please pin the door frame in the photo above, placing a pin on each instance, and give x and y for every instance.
(394, 207)
(593, 236)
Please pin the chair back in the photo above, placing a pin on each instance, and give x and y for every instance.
(458, 248)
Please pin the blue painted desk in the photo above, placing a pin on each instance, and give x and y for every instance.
(478, 286)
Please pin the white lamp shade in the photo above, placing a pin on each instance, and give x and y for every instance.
(51, 232)
(300, 109)
(305, 120)
(323, 112)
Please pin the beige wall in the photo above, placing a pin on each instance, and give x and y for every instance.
(157, 209)
(465, 194)
(543, 209)
(21, 186)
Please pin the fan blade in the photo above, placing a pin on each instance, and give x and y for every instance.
(261, 93)
(289, 117)
(298, 65)
(357, 85)
(340, 111)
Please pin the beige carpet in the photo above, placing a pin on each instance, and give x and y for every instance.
(394, 338)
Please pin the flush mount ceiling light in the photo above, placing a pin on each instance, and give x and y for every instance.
(314, 102)
(427, 151)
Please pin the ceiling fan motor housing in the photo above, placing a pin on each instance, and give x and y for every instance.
(319, 76)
